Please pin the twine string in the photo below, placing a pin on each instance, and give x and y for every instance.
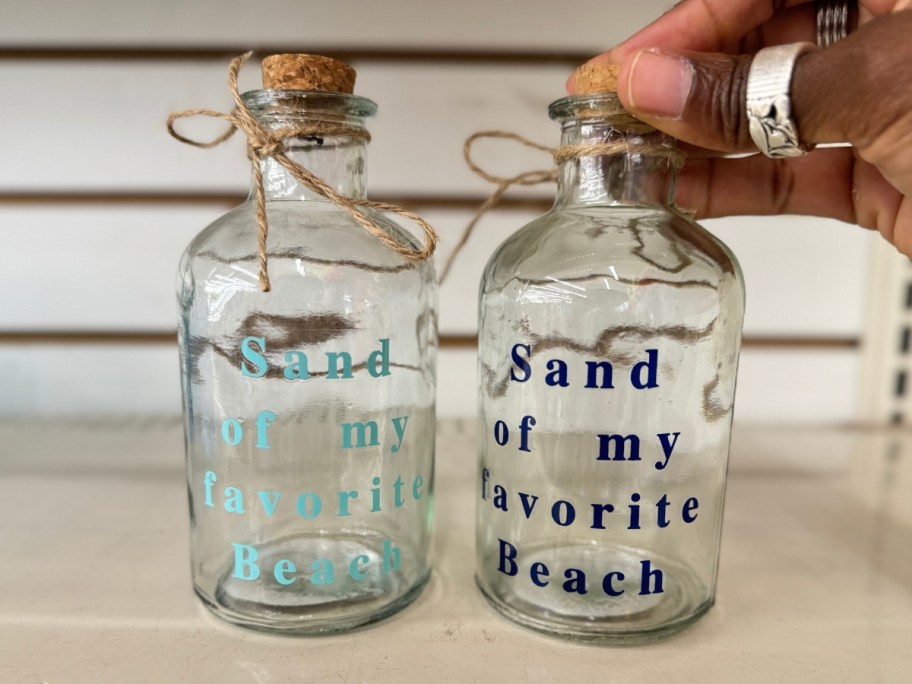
(263, 143)
(503, 184)
(620, 118)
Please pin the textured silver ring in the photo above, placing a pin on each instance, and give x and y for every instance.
(833, 18)
(769, 103)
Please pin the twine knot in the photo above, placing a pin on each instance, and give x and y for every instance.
(263, 143)
(265, 148)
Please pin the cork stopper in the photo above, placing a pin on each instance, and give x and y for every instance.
(597, 78)
(308, 72)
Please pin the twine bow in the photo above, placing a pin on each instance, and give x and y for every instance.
(559, 155)
(263, 143)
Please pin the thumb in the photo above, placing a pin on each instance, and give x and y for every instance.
(695, 97)
(852, 91)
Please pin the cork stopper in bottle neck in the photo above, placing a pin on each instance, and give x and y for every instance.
(596, 96)
(597, 78)
(308, 72)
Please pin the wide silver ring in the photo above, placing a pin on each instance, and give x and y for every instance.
(769, 103)
(833, 17)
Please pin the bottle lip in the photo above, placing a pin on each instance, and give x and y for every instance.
(266, 101)
(592, 105)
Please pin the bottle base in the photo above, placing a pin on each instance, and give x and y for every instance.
(633, 613)
(340, 602)
(595, 632)
(309, 626)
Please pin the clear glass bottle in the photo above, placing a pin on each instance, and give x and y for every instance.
(609, 332)
(309, 409)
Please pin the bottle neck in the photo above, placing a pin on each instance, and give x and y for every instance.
(338, 161)
(629, 175)
(332, 144)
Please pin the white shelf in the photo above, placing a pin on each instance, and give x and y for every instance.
(816, 574)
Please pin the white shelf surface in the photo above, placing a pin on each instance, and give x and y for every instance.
(815, 583)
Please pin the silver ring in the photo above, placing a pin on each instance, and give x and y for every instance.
(833, 20)
(769, 103)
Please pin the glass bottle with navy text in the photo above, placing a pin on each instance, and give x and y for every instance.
(309, 409)
(609, 332)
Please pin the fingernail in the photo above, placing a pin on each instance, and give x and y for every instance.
(659, 84)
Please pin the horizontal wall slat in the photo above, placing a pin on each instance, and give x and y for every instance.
(102, 125)
(303, 26)
(804, 276)
(230, 199)
(801, 273)
(112, 269)
(815, 269)
(445, 341)
(782, 386)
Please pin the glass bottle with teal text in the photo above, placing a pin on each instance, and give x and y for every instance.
(609, 332)
(309, 409)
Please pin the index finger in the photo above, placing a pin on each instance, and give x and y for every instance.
(703, 25)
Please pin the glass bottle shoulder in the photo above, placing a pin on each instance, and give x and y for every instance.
(319, 260)
(315, 231)
(624, 247)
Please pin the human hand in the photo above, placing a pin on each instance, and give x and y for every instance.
(686, 74)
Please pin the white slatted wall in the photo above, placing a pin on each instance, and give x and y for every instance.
(97, 202)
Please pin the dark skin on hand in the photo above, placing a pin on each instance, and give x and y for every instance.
(686, 74)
